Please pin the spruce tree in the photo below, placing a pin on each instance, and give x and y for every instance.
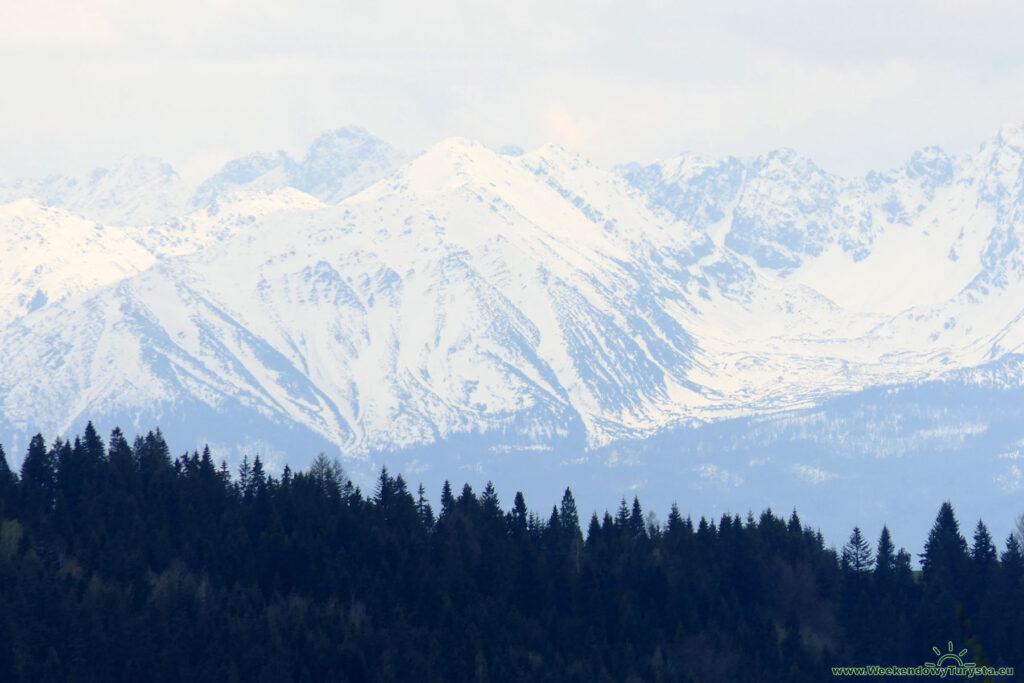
(257, 479)
(637, 527)
(447, 501)
(857, 553)
(794, 526)
(622, 516)
(1013, 560)
(7, 478)
(983, 552)
(675, 524)
(594, 530)
(467, 500)
(490, 503)
(885, 559)
(518, 517)
(244, 471)
(423, 510)
(328, 475)
(569, 516)
(38, 477)
(945, 551)
(554, 526)
(93, 444)
(384, 490)
(8, 483)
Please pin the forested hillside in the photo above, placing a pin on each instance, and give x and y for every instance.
(121, 562)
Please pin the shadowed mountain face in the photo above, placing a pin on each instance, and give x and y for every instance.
(523, 302)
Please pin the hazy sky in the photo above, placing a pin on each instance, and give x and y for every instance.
(853, 85)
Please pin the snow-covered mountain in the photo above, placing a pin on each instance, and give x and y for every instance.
(338, 164)
(532, 302)
(138, 190)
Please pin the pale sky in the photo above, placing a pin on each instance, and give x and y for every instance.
(853, 85)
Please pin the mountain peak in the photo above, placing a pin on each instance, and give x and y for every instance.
(931, 163)
(338, 164)
(349, 141)
(1011, 135)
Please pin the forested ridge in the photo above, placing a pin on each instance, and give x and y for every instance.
(119, 562)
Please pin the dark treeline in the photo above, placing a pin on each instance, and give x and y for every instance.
(119, 562)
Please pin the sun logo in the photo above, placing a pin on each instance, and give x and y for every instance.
(950, 658)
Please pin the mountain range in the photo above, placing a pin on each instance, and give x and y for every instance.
(739, 327)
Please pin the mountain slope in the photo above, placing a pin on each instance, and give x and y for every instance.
(535, 298)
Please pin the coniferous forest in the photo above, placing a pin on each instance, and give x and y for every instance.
(119, 562)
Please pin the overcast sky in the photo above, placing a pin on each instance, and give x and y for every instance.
(853, 85)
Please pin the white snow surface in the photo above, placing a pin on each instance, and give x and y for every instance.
(468, 291)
